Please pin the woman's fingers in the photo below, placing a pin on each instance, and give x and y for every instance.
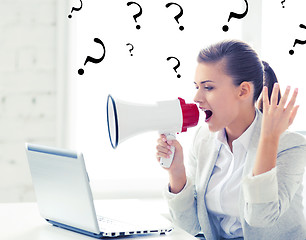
(284, 98)
(292, 100)
(162, 154)
(274, 95)
(265, 99)
(293, 114)
(278, 117)
(163, 148)
(162, 143)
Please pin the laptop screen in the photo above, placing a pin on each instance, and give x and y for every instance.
(61, 186)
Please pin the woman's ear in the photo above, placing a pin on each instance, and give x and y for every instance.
(245, 90)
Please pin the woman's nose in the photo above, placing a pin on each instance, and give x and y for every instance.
(198, 98)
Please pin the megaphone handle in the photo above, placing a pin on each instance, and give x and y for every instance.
(166, 162)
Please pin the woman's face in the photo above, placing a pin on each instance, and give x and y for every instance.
(216, 95)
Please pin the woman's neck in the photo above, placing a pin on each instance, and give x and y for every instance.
(237, 128)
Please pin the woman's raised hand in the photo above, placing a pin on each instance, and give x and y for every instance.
(278, 117)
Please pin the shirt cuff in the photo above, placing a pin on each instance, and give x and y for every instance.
(261, 188)
(183, 198)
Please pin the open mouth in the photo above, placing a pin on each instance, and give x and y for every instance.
(208, 115)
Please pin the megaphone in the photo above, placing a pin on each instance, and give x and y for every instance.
(126, 120)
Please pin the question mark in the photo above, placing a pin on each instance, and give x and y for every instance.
(136, 15)
(297, 41)
(177, 16)
(91, 59)
(176, 66)
(76, 9)
(236, 15)
(131, 48)
(283, 4)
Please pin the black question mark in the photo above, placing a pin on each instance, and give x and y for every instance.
(297, 41)
(131, 48)
(236, 15)
(176, 66)
(136, 15)
(283, 3)
(75, 9)
(91, 59)
(178, 15)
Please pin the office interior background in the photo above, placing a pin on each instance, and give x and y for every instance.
(44, 100)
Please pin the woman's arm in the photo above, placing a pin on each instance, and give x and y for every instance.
(269, 195)
(276, 119)
(270, 191)
(180, 194)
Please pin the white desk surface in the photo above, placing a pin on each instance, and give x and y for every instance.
(22, 221)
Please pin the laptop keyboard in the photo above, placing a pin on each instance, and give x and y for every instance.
(111, 224)
(114, 228)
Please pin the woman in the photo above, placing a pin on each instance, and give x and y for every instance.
(243, 178)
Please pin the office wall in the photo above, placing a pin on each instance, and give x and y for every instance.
(28, 89)
(31, 86)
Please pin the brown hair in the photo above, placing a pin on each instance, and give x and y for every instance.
(268, 81)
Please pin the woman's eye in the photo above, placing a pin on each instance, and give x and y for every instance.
(208, 88)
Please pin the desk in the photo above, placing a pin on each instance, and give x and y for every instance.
(22, 221)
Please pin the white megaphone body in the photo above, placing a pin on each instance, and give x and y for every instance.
(126, 119)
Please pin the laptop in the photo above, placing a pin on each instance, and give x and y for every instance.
(64, 196)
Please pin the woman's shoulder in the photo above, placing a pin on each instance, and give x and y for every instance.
(290, 139)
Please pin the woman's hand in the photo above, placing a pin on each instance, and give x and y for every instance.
(277, 117)
(177, 174)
